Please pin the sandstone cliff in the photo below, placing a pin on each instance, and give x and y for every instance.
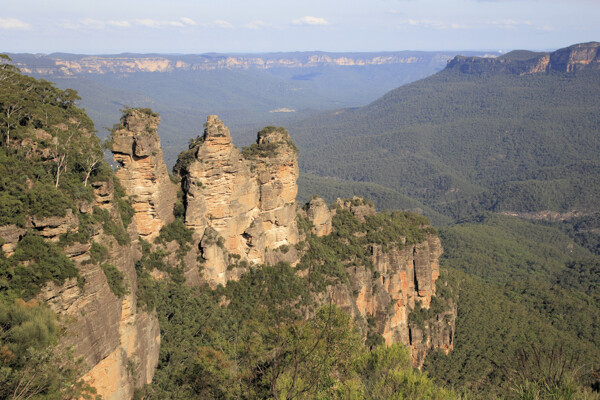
(240, 208)
(59, 66)
(142, 171)
(118, 343)
(239, 204)
(579, 57)
(402, 279)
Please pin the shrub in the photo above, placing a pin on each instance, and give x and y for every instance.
(115, 279)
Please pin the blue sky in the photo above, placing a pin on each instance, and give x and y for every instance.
(187, 26)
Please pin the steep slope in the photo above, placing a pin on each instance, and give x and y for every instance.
(91, 255)
(524, 289)
(483, 138)
(69, 245)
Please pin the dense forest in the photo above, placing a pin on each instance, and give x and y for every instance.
(464, 143)
(457, 148)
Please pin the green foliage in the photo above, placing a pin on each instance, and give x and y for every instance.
(500, 248)
(117, 231)
(123, 203)
(528, 284)
(30, 365)
(267, 149)
(48, 149)
(465, 143)
(127, 111)
(35, 262)
(263, 337)
(538, 373)
(177, 231)
(45, 200)
(326, 258)
(115, 279)
(98, 253)
(386, 373)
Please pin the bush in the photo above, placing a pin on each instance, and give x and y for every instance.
(115, 279)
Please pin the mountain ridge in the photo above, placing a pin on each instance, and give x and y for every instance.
(66, 64)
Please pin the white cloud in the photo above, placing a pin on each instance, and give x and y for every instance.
(509, 23)
(188, 21)
(119, 24)
(92, 23)
(547, 28)
(311, 21)
(256, 24)
(13, 23)
(223, 24)
(153, 23)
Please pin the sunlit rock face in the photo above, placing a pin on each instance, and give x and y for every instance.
(142, 171)
(239, 203)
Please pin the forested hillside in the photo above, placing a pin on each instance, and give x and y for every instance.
(465, 142)
(248, 91)
(528, 314)
(94, 297)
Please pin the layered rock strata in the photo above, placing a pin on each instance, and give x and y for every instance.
(142, 171)
(579, 57)
(241, 206)
(402, 279)
(117, 342)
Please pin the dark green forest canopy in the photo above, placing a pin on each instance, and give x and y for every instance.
(463, 143)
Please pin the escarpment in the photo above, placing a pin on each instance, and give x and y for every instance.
(121, 234)
(579, 57)
(391, 291)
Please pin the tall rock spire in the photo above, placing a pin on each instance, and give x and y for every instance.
(142, 171)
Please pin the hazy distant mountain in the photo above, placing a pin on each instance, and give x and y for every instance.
(248, 91)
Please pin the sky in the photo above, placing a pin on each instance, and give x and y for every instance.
(254, 26)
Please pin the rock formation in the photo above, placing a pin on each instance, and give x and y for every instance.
(241, 208)
(319, 214)
(142, 171)
(583, 56)
(118, 342)
(401, 280)
(240, 204)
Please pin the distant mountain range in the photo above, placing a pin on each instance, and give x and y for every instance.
(247, 91)
(63, 64)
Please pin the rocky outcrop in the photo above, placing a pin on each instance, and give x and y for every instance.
(319, 214)
(118, 342)
(402, 280)
(142, 171)
(59, 66)
(240, 204)
(584, 56)
(576, 58)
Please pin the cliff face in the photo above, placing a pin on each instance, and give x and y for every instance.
(57, 66)
(119, 343)
(584, 56)
(401, 281)
(142, 171)
(239, 205)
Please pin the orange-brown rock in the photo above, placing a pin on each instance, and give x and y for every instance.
(117, 342)
(582, 56)
(402, 279)
(142, 171)
(10, 235)
(241, 204)
(318, 212)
